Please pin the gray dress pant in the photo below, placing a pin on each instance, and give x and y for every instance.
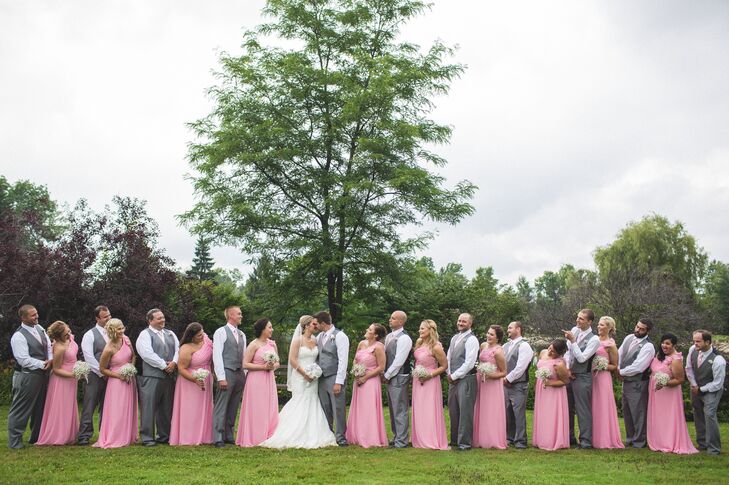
(706, 421)
(94, 392)
(579, 400)
(397, 401)
(29, 399)
(461, 402)
(156, 396)
(635, 409)
(516, 398)
(227, 402)
(334, 407)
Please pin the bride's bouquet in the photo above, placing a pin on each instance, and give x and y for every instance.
(485, 368)
(420, 372)
(313, 371)
(81, 370)
(200, 375)
(544, 374)
(127, 371)
(358, 370)
(661, 379)
(270, 357)
(599, 364)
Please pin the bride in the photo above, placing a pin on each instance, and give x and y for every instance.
(302, 423)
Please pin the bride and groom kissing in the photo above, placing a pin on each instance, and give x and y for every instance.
(315, 415)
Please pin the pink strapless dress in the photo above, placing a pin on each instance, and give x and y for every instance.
(605, 427)
(60, 414)
(192, 411)
(667, 430)
(429, 430)
(489, 414)
(259, 412)
(366, 422)
(119, 426)
(551, 415)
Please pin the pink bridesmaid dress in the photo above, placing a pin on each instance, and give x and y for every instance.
(192, 411)
(667, 430)
(605, 427)
(551, 418)
(489, 415)
(119, 426)
(366, 422)
(60, 414)
(429, 429)
(259, 412)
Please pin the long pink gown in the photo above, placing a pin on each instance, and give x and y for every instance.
(119, 426)
(429, 430)
(605, 427)
(259, 412)
(551, 416)
(667, 430)
(60, 414)
(366, 422)
(192, 411)
(489, 415)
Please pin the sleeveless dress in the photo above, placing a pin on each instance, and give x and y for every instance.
(192, 411)
(429, 429)
(366, 422)
(666, 422)
(259, 412)
(489, 414)
(551, 416)
(60, 414)
(119, 426)
(605, 427)
(302, 422)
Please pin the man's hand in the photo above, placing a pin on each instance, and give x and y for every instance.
(337, 389)
(568, 335)
(48, 364)
(450, 380)
(695, 390)
(170, 367)
(507, 383)
(223, 385)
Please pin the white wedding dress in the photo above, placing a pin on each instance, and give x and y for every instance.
(301, 422)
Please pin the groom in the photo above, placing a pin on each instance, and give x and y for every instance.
(333, 347)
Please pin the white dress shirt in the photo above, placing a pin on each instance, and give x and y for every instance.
(472, 346)
(718, 367)
(87, 347)
(144, 349)
(402, 350)
(342, 342)
(574, 352)
(20, 348)
(219, 338)
(522, 361)
(642, 362)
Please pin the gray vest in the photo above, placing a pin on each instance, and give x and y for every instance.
(626, 360)
(99, 343)
(165, 354)
(586, 366)
(391, 352)
(511, 363)
(37, 350)
(328, 357)
(232, 351)
(704, 374)
(458, 355)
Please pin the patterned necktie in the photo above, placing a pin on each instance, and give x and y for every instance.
(701, 357)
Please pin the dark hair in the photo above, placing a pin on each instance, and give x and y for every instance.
(499, 332)
(190, 331)
(559, 345)
(99, 309)
(705, 335)
(150, 314)
(589, 314)
(24, 310)
(380, 331)
(667, 336)
(647, 322)
(517, 323)
(260, 326)
(323, 317)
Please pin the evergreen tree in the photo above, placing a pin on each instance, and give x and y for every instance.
(202, 263)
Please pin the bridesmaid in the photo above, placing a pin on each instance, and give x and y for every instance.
(489, 418)
(259, 412)
(667, 430)
(60, 414)
(119, 426)
(605, 427)
(551, 416)
(366, 422)
(192, 411)
(429, 429)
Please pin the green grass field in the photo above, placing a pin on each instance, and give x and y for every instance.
(205, 464)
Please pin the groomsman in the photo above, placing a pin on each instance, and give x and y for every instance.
(333, 347)
(706, 370)
(462, 355)
(229, 345)
(518, 354)
(582, 344)
(398, 346)
(634, 360)
(92, 345)
(158, 349)
(33, 357)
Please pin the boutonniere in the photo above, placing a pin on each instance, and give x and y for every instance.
(711, 361)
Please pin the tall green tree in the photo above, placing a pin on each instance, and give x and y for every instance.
(715, 297)
(202, 262)
(327, 143)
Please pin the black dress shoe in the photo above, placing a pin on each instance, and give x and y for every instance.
(229, 442)
(343, 444)
(82, 443)
(150, 444)
(219, 444)
(464, 448)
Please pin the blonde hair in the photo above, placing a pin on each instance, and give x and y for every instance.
(610, 322)
(431, 338)
(304, 321)
(56, 331)
(114, 329)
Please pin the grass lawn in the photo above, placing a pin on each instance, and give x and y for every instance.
(205, 464)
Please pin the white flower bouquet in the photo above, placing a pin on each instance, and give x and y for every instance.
(200, 374)
(313, 371)
(544, 374)
(81, 370)
(661, 378)
(127, 371)
(270, 357)
(358, 370)
(485, 368)
(599, 364)
(420, 372)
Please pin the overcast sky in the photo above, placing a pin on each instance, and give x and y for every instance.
(573, 117)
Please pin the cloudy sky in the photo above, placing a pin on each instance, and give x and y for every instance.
(573, 117)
